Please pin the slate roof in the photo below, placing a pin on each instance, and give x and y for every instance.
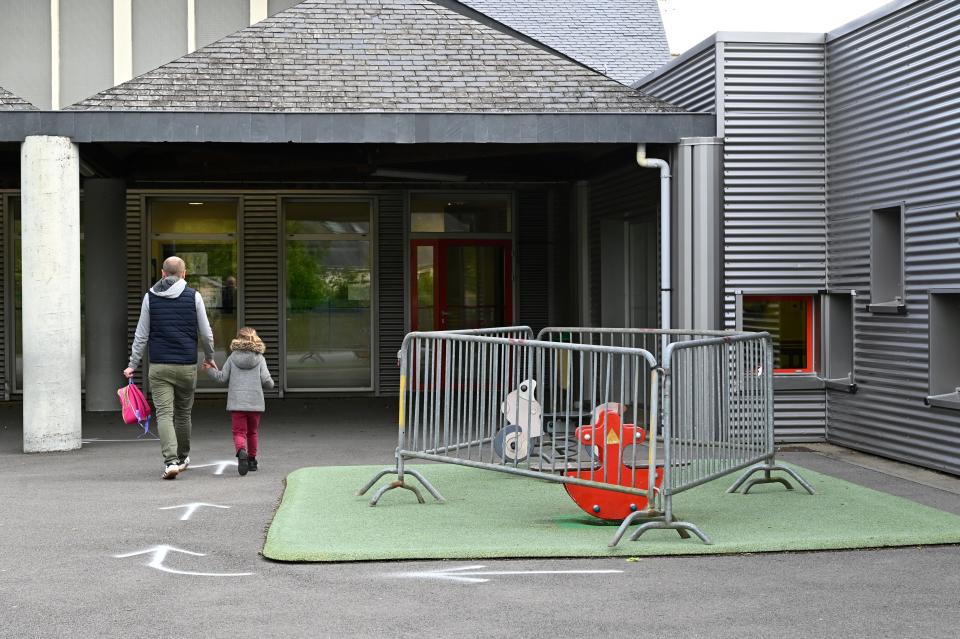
(373, 55)
(623, 39)
(11, 102)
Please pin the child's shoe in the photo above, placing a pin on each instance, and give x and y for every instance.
(243, 462)
(252, 463)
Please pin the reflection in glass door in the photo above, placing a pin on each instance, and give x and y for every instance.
(203, 233)
(461, 284)
(328, 294)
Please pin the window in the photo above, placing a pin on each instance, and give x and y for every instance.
(837, 359)
(944, 348)
(453, 213)
(789, 320)
(886, 260)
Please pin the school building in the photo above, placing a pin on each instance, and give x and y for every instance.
(340, 172)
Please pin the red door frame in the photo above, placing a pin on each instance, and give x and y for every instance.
(440, 276)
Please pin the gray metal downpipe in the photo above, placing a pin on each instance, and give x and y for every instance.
(665, 231)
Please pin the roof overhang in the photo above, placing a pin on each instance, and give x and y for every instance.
(356, 127)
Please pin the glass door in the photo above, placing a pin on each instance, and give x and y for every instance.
(329, 274)
(203, 233)
(461, 284)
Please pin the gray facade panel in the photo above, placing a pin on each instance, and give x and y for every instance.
(774, 168)
(769, 99)
(333, 127)
(25, 50)
(219, 18)
(86, 43)
(893, 114)
(774, 194)
(159, 33)
(691, 85)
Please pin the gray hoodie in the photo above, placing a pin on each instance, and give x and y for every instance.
(247, 372)
(171, 286)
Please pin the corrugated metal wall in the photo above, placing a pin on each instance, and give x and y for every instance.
(774, 168)
(692, 84)
(260, 275)
(774, 194)
(893, 117)
(769, 99)
(390, 297)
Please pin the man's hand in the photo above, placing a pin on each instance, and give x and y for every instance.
(128, 373)
(208, 364)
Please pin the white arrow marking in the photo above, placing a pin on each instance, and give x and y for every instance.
(458, 575)
(221, 465)
(160, 553)
(191, 508)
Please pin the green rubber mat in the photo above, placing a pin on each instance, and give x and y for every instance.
(490, 515)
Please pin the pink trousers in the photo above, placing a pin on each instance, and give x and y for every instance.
(245, 427)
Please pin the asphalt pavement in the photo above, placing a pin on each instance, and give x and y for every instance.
(93, 542)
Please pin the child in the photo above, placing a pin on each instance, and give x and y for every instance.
(246, 370)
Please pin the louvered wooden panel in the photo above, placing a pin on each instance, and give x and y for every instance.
(533, 307)
(3, 314)
(260, 276)
(390, 288)
(136, 272)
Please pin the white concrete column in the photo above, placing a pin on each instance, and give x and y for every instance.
(50, 201)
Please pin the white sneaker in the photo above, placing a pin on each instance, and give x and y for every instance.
(171, 471)
(184, 463)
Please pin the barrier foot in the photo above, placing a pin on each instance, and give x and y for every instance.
(626, 523)
(395, 484)
(680, 526)
(426, 484)
(769, 479)
(367, 486)
(399, 483)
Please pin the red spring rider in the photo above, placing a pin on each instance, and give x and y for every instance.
(611, 437)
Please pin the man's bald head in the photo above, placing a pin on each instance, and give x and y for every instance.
(174, 266)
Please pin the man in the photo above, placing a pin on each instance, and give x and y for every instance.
(172, 317)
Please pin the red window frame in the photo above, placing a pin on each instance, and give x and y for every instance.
(808, 299)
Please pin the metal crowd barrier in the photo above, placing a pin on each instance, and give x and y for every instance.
(582, 407)
(717, 419)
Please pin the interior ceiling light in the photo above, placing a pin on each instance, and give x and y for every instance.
(419, 175)
(195, 203)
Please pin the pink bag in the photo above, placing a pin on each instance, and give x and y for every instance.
(134, 406)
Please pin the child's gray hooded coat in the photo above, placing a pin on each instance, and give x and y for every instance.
(246, 370)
